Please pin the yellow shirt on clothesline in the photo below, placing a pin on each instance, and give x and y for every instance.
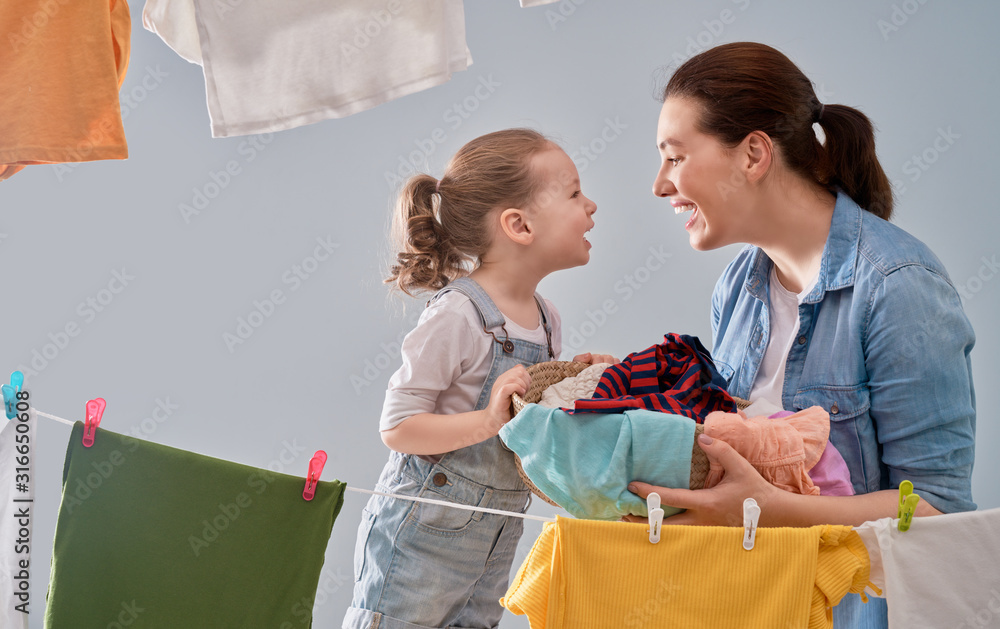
(587, 573)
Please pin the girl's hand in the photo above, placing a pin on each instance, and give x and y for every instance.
(514, 380)
(593, 359)
(721, 505)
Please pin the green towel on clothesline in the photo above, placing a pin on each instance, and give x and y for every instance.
(154, 536)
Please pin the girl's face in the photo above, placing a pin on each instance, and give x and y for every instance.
(702, 178)
(561, 214)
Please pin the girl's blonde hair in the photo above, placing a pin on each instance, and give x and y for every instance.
(441, 228)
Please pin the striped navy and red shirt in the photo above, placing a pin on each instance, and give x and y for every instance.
(677, 376)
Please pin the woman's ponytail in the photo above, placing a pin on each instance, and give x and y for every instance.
(850, 148)
(747, 86)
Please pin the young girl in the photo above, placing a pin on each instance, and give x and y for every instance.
(509, 206)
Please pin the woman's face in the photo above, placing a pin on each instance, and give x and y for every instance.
(702, 178)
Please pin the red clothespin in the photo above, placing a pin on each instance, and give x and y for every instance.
(315, 471)
(95, 411)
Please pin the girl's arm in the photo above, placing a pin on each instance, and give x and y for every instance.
(430, 433)
(722, 505)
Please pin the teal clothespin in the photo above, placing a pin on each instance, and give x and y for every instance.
(10, 392)
(907, 505)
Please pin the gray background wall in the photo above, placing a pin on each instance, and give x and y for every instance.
(313, 373)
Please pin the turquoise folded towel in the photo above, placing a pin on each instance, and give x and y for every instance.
(584, 462)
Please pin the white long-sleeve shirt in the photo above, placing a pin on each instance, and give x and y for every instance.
(447, 357)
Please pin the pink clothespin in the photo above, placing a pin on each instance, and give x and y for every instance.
(315, 471)
(95, 411)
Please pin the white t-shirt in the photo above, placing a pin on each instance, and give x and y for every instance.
(447, 357)
(937, 574)
(783, 307)
(272, 65)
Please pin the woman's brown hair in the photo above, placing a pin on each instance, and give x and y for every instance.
(745, 86)
(442, 227)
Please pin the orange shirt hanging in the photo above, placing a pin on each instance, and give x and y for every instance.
(62, 65)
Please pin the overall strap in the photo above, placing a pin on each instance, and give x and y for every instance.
(544, 312)
(489, 314)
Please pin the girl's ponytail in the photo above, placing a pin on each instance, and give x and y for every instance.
(854, 166)
(426, 260)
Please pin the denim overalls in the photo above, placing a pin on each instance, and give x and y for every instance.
(421, 565)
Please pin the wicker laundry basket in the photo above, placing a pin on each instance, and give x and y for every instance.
(543, 375)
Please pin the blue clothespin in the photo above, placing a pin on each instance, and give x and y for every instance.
(907, 505)
(10, 392)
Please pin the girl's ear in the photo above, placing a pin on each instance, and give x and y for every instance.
(514, 223)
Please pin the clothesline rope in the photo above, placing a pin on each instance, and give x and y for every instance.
(454, 505)
(58, 419)
(443, 503)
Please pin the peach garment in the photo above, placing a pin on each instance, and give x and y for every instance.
(63, 64)
(783, 450)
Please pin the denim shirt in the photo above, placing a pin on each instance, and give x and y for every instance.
(883, 345)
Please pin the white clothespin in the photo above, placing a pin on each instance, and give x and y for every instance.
(751, 516)
(655, 517)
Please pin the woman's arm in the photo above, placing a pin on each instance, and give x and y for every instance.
(917, 345)
(430, 433)
(722, 505)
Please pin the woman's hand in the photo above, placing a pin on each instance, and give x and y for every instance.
(721, 505)
(594, 359)
(514, 380)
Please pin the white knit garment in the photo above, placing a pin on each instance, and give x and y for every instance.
(581, 386)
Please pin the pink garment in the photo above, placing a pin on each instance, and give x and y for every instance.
(781, 449)
(830, 474)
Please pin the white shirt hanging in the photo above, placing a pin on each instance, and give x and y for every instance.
(943, 572)
(272, 65)
(17, 515)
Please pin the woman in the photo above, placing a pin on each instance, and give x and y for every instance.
(828, 304)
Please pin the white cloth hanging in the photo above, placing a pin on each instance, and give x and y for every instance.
(174, 21)
(17, 512)
(272, 65)
(943, 572)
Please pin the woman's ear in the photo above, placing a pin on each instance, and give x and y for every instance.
(514, 223)
(759, 151)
